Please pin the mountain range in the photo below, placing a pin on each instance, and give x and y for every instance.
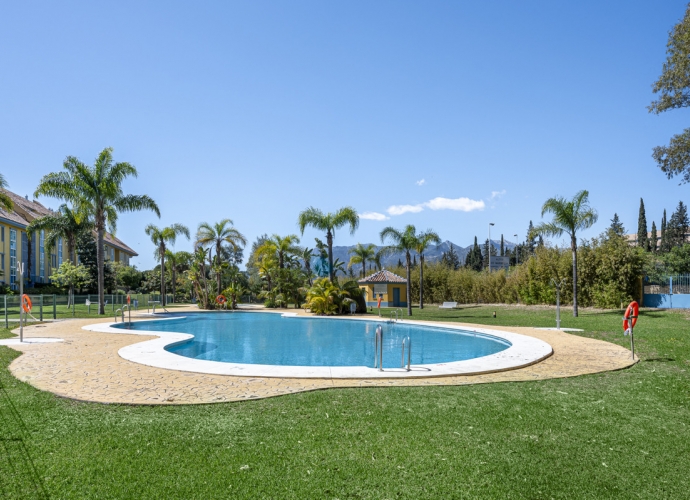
(432, 254)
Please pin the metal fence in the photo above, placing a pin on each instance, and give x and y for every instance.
(678, 284)
(45, 307)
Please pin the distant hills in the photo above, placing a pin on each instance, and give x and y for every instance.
(432, 254)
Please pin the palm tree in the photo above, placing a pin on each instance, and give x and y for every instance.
(361, 254)
(219, 235)
(423, 241)
(306, 255)
(569, 216)
(96, 191)
(178, 261)
(346, 216)
(281, 247)
(161, 237)
(5, 201)
(402, 241)
(64, 224)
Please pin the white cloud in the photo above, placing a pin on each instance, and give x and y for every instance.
(403, 209)
(461, 204)
(497, 194)
(373, 216)
(420, 182)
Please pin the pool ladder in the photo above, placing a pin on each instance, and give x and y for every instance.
(396, 315)
(122, 312)
(406, 341)
(378, 350)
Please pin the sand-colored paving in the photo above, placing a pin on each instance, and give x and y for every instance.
(86, 366)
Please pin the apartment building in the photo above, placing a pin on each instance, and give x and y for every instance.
(15, 246)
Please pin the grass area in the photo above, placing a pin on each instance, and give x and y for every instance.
(614, 435)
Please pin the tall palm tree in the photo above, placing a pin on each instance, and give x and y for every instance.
(178, 261)
(5, 201)
(423, 241)
(96, 191)
(306, 255)
(569, 217)
(313, 217)
(161, 237)
(361, 254)
(281, 247)
(217, 236)
(402, 241)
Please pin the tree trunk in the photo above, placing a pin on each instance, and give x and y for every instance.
(219, 270)
(409, 301)
(329, 240)
(573, 246)
(100, 261)
(421, 281)
(162, 252)
(73, 259)
(173, 282)
(364, 268)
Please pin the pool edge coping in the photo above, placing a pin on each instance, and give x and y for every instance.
(524, 351)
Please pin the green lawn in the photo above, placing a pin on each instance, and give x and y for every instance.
(614, 435)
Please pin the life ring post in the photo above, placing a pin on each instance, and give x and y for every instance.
(632, 312)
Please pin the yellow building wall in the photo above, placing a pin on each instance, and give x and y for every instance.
(387, 298)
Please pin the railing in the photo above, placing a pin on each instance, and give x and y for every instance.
(678, 284)
(378, 348)
(407, 340)
(47, 307)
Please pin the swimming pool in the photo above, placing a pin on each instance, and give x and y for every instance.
(267, 344)
(272, 339)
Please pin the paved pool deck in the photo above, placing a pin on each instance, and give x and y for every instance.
(86, 366)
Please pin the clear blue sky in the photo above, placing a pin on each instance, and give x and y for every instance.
(257, 110)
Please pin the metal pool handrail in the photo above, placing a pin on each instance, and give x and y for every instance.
(409, 353)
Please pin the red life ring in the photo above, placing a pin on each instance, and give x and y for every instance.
(221, 299)
(631, 313)
(26, 303)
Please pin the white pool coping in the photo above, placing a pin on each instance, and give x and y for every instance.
(524, 351)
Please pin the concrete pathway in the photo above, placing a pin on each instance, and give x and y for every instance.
(86, 366)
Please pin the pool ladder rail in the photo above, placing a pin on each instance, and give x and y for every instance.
(122, 312)
(378, 350)
(396, 315)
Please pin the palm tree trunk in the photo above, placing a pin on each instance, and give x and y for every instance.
(573, 245)
(421, 281)
(73, 259)
(162, 252)
(100, 262)
(409, 299)
(218, 271)
(329, 240)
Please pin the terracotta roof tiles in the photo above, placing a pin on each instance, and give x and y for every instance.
(383, 276)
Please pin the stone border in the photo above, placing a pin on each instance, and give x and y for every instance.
(523, 351)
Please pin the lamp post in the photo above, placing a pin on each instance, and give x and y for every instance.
(489, 248)
(517, 250)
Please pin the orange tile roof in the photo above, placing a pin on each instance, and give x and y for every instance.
(383, 276)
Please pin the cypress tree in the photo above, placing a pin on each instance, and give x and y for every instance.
(474, 257)
(503, 248)
(677, 227)
(642, 240)
(663, 247)
(652, 241)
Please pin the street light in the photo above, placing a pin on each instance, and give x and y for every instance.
(489, 248)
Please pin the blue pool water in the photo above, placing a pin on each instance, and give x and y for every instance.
(265, 338)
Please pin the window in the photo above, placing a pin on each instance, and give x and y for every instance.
(42, 256)
(59, 255)
(112, 254)
(13, 257)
